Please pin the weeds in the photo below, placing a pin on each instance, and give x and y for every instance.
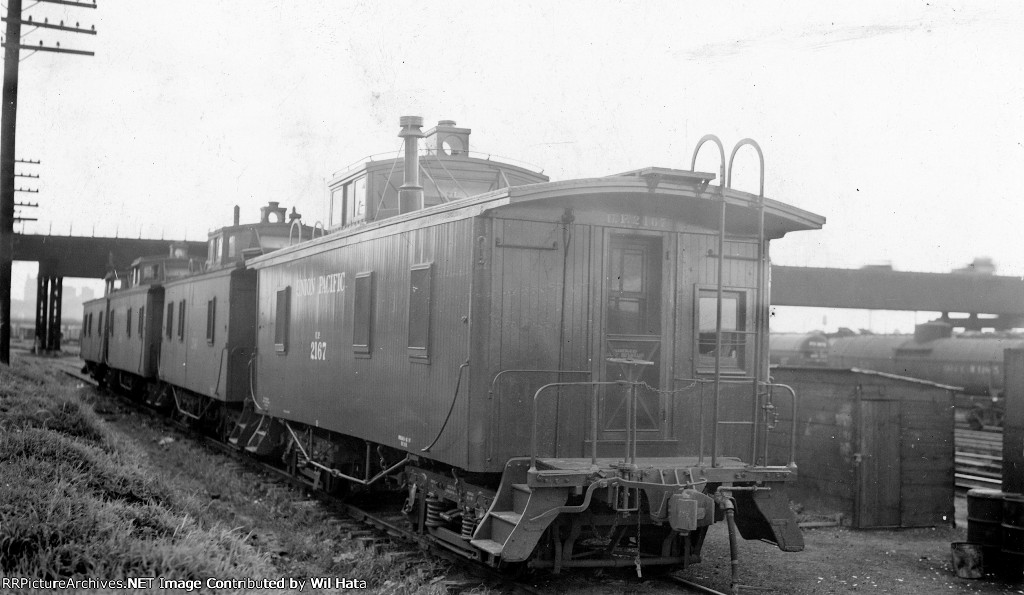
(81, 499)
(75, 503)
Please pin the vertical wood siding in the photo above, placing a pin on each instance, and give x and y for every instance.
(92, 338)
(136, 353)
(388, 396)
(698, 269)
(218, 370)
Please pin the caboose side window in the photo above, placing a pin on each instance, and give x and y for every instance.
(99, 325)
(356, 201)
(281, 316)
(170, 319)
(181, 320)
(337, 207)
(128, 323)
(362, 316)
(348, 203)
(734, 330)
(142, 319)
(211, 318)
(419, 312)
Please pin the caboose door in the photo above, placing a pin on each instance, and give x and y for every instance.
(632, 330)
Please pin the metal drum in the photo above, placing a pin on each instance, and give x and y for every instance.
(985, 517)
(1013, 537)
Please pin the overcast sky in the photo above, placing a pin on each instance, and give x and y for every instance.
(901, 122)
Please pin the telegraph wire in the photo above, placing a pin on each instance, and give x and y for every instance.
(13, 44)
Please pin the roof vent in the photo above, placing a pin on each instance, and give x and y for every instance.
(410, 195)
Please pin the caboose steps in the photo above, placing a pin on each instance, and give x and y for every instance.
(244, 428)
(516, 519)
(266, 438)
(520, 496)
(488, 545)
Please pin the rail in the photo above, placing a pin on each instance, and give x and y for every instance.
(632, 383)
(593, 418)
(632, 368)
(767, 410)
(291, 229)
(427, 152)
(494, 381)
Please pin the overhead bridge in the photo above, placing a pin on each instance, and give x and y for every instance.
(90, 258)
(976, 295)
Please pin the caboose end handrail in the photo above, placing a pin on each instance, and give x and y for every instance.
(593, 418)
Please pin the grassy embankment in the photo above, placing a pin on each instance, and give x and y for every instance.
(79, 499)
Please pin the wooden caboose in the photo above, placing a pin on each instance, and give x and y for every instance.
(427, 332)
(209, 319)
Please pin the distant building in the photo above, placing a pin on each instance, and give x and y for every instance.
(982, 265)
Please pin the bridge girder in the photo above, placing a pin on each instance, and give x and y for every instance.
(883, 289)
(70, 256)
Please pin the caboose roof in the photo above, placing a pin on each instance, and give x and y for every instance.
(648, 191)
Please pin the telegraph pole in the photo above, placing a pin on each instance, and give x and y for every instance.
(8, 125)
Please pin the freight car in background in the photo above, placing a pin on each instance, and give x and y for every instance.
(972, 362)
(562, 374)
(803, 349)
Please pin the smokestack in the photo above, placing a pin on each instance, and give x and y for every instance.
(238, 215)
(410, 194)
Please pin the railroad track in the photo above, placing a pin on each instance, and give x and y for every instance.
(372, 527)
(978, 460)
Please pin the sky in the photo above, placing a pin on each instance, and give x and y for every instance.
(900, 122)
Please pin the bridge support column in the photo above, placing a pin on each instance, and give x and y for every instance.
(56, 300)
(42, 314)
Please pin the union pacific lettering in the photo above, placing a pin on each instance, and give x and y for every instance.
(322, 284)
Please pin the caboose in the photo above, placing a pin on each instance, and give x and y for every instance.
(209, 322)
(563, 374)
(181, 331)
(121, 336)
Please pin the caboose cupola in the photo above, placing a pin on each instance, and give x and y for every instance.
(437, 171)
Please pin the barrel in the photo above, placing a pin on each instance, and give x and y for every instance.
(984, 523)
(1013, 537)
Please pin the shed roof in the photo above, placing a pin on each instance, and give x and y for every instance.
(865, 372)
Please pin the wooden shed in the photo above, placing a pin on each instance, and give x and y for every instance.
(1013, 425)
(876, 447)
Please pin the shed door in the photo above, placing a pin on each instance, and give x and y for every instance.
(878, 465)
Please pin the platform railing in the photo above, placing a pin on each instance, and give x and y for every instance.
(764, 390)
(632, 384)
(593, 417)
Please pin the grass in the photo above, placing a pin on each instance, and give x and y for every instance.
(75, 502)
(81, 497)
